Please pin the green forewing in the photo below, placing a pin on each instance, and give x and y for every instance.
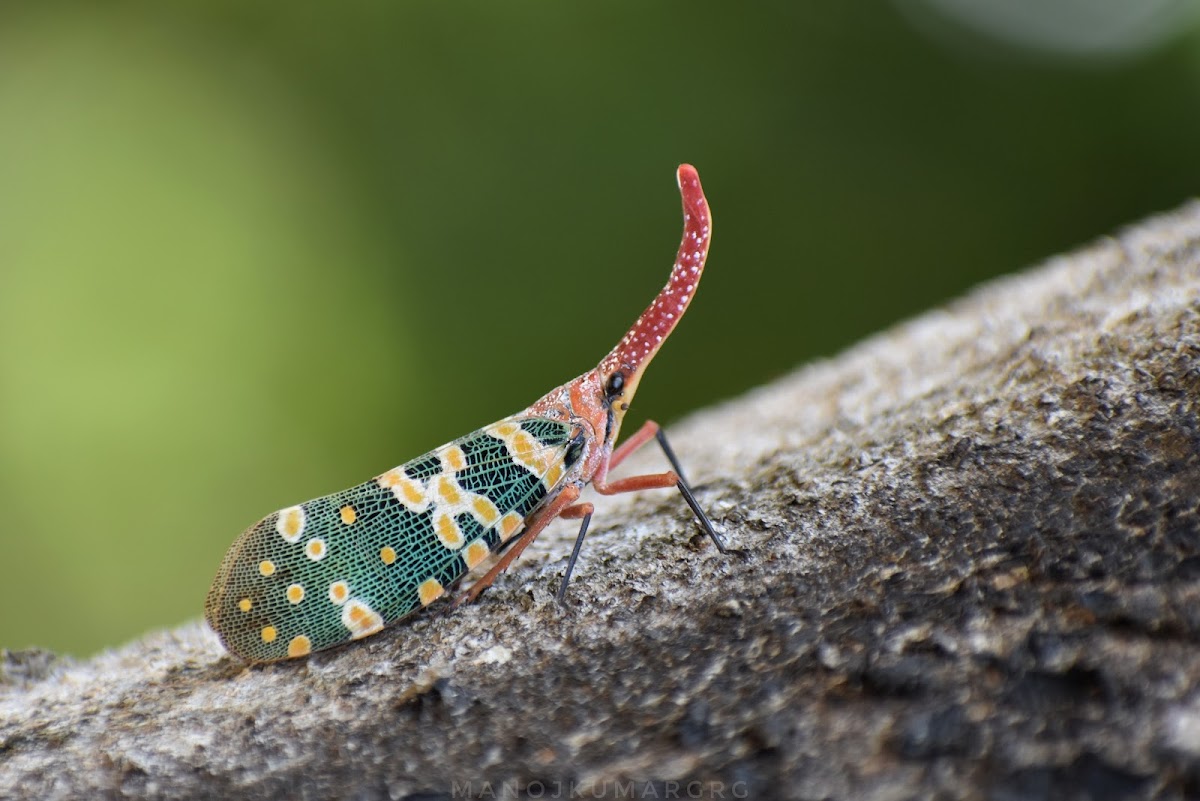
(342, 566)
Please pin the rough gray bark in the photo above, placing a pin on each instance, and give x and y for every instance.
(971, 569)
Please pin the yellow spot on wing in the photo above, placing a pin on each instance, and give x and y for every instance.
(269, 634)
(348, 515)
(509, 525)
(404, 488)
(266, 567)
(315, 549)
(552, 476)
(299, 646)
(448, 531)
(448, 491)
(412, 492)
(504, 430)
(339, 591)
(295, 593)
(485, 510)
(475, 553)
(429, 591)
(388, 554)
(525, 452)
(455, 458)
(245, 605)
(290, 523)
(360, 618)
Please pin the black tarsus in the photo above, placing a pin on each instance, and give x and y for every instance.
(686, 492)
(583, 527)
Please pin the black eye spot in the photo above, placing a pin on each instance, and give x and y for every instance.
(616, 383)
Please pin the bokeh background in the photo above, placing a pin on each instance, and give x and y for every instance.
(254, 252)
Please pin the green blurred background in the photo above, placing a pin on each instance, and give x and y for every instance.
(255, 252)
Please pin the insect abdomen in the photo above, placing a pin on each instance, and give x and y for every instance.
(345, 565)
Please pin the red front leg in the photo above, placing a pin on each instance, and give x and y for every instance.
(632, 443)
(563, 503)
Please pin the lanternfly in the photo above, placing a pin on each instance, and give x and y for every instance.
(342, 567)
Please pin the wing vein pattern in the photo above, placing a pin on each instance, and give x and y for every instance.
(345, 565)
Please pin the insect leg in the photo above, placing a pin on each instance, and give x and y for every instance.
(584, 511)
(671, 478)
(649, 429)
(633, 442)
(538, 521)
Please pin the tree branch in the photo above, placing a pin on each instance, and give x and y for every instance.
(971, 567)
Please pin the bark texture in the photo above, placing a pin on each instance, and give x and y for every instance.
(970, 568)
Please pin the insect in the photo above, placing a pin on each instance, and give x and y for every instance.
(344, 566)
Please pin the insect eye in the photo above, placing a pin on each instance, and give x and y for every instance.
(616, 383)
